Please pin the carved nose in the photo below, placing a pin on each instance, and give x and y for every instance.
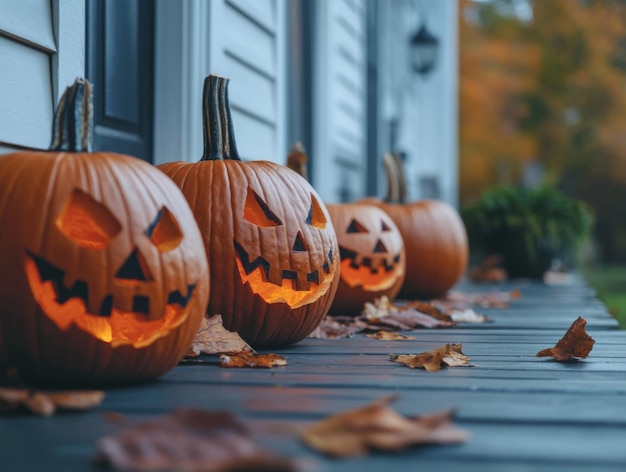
(299, 245)
(134, 269)
(380, 247)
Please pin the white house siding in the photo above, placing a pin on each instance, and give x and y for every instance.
(239, 39)
(340, 94)
(41, 52)
(424, 107)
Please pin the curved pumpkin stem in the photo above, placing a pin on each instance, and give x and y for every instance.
(297, 158)
(217, 124)
(401, 178)
(72, 128)
(393, 187)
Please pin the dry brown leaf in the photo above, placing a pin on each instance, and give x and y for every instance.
(390, 336)
(47, 403)
(213, 338)
(251, 359)
(576, 343)
(377, 426)
(189, 440)
(448, 355)
(337, 327)
(489, 270)
(469, 316)
(429, 309)
(404, 317)
(410, 318)
(461, 300)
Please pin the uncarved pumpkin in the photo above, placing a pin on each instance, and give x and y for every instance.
(434, 236)
(104, 276)
(272, 249)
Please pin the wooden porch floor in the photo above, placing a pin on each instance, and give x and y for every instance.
(523, 413)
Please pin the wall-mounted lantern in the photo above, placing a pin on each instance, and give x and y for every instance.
(424, 51)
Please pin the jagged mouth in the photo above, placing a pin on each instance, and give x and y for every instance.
(370, 274)
(66, 306)
(295, 289)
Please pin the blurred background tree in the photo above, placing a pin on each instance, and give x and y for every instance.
(543, 100)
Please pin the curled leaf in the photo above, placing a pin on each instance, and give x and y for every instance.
(405, 317)
(576, 343)
(377, 426)
(190, 440)
(250, 359)
(336, 328)
(213, 338)
(390, 336)
(468, 316)
(448, 355)
(47, 403)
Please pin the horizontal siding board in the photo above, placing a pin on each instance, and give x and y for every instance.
(26, 95)
(261, 11)
(251, 91)
(28, 20)
(256, 140)
(256, 47)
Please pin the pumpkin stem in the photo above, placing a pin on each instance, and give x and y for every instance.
(217, 124)
(72, 128)
(396, 179)
(297, 158)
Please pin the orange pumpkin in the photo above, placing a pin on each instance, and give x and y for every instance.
(105, 277)
(372, 256)
(271, 246)
(434, 236)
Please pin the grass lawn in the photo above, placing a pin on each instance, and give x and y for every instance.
(610, 283)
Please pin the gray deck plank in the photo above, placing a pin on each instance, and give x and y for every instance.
(523, 413)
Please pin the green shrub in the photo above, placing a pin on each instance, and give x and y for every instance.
(529, 228)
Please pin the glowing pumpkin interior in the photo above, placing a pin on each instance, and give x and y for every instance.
(374, 270)
(91, 225)
(296, 288)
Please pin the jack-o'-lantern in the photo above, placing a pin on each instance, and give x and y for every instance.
(372, 256)
(104, 277)
(434, 236)
(272, 248)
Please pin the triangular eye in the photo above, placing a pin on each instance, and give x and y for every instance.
(257, 212)
(164, 231)
(316, 215)
(87, 222)
(385, 227)
(356, 227)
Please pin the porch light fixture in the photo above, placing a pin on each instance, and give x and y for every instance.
(424, 51)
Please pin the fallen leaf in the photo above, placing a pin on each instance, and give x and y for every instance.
(213, 338)
(468, 316)
(390, 336)
(410, 318)
(377, 426)
(47, 403)
(461, 300)
(429, 309)
(576, 343)
(403, 317)
(251, 359)
(336, 328)
(448, 355)
(188, 440)
(489, 270)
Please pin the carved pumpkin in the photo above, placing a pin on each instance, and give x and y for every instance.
(272, 249)
(372, 256)
(434, 236)
(104, 277)
(371, 249)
